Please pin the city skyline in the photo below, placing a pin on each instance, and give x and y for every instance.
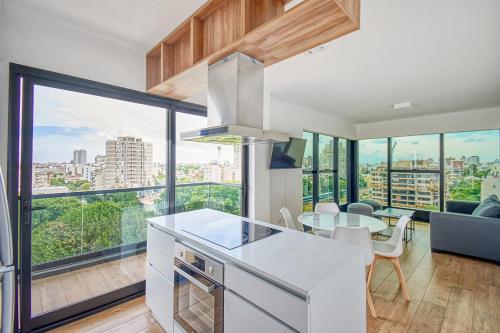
(485, 144)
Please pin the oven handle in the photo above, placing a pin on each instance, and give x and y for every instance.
(207, 289)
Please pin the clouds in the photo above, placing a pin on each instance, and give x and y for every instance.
(41, 131)
(372, 151)
(485, 144)
(66, 120)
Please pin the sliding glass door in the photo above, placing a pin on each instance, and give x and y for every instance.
(89, 163)
(93, 170)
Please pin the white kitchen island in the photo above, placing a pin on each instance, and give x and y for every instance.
(288, 282)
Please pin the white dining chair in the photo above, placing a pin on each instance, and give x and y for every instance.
(289, 221)
(361, 238)
(391, 250)
(325, 207)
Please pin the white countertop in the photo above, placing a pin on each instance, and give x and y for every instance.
(297, 261)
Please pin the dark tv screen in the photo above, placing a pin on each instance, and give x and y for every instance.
(288, 155)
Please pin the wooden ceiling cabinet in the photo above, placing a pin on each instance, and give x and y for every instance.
(264, 29)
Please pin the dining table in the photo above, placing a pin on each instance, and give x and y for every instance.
(328, 221)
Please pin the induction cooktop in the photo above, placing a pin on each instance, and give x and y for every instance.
(230, 233)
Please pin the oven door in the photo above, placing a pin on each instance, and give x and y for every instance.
(198, 301)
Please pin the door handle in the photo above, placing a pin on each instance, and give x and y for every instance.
(207, 289)
(28, 208)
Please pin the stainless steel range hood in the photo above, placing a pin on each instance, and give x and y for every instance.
(235, 104)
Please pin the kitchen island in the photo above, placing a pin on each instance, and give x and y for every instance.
(287, 281)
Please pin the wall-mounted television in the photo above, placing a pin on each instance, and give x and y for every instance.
(288, 155)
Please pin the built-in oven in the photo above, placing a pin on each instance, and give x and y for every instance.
(198, 291)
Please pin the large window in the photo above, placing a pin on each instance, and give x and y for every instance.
(307, 177)
(325, 170)
(98, 172)
(207, 175)
(372, 172)
(472, 165)
(343, 162)
(96, 162)
(423, 172)
(415, 172)
(419, 152)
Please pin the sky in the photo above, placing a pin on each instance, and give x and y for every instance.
(484, 144)
(65, 121)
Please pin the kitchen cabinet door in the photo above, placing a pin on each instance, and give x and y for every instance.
(240, 316)
(268, 297)
(159, 298)
(161, 252)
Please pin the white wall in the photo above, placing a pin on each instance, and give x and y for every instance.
(32, 40)
(484, 119)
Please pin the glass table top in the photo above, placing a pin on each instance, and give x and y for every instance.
(394, 212)
(328, 221)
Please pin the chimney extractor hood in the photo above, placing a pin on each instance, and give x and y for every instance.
(235, 104)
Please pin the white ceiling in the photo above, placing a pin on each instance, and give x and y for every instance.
(137, 24)
(441, 56)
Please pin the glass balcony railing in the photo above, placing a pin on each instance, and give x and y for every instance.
(223, 197)
(73, 227)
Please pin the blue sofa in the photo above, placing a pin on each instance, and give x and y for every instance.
(457, 231)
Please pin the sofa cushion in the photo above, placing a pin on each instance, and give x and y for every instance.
(492, 198)
(490, 207)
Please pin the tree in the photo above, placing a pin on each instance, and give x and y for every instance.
(73, 226)
(468, 190)
(79, 185)
(362, 181)
(57, 181)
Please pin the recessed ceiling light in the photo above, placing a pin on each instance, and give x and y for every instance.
(317, 49)
(321, 48)
(402, 106)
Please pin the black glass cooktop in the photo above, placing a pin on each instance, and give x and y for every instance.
(230, 233)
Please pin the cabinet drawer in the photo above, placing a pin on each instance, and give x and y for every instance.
(279, 303)
(159, 298)
(242, 317)
(161, 252)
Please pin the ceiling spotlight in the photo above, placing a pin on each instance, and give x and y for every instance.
(317, 49)
(321, 48)
(402, 106)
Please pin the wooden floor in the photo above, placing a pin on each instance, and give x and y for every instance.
(448, 294)
(60, 290)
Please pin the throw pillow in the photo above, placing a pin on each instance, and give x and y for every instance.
(491, 198)
(488, 209)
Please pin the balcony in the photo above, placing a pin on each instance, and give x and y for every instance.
(86, 244)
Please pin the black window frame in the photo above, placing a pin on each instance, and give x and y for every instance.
(315, 172)
(421, 214)
(21, 76)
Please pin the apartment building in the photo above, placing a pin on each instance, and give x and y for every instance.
(129, 163)
(80, 157)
